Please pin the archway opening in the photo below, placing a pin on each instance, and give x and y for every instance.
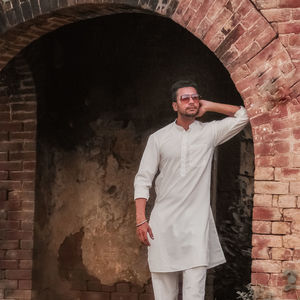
(102, 85)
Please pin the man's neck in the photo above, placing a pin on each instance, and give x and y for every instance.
(185, 122)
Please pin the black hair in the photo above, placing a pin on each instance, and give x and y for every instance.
(180, 84)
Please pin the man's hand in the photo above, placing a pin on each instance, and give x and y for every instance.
(142, 231)
(203, 107)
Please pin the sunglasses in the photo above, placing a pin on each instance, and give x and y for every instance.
(186, 98)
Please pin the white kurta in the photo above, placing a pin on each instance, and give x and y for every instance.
(184, 230)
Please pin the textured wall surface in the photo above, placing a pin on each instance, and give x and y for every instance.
(257, 41)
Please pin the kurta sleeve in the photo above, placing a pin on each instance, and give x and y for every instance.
(230, 126)
(147, 170)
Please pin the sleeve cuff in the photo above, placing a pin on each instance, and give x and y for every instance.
(241, 112)
(141, 193)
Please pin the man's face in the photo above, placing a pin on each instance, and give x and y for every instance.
(191, 107)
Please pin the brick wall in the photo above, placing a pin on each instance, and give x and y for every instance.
(17, 165)
(258, 42)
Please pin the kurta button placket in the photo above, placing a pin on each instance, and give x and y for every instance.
(183, 154)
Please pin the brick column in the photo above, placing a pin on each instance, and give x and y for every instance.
(17, 179)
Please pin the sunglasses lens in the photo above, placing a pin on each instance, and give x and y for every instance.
(185, 98)
(195, 97)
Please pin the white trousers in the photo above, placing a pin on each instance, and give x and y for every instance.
(165, 285)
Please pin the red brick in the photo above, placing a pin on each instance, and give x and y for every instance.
(18, 294)
(25, 284)
(281, 254)
(289, 27)
(29, 146)
(26, 264)
(287, 174)
(147, 297)
(29, 107)
(264, 173)
(27, 225)
(271, 187)
(20, 215)
(6, 224)
(8, 264)
(263, 149)
(94, 285)
(24, 135)
(281, 228)
(23, 196)
(280, 160)
(277, 280)
(96, 296)
(291, 241)
(29, 165)
(4, 175)
(266, 213)
(210, 37)
(11, 146)
(215, 9)
(29, 125)
(8, 284)
(22, 175)
(230, 39)
(27, 244)
(18, 274)
(261, 227)
(203, 28)
(261, 4)
(296, 133)
(18, 235)
(123, 287)
(9, 244)
(3, 195)
(289, 3)
(260, 253)
(295, 188)
(10, 165)
(282, 147)
(262, 200)
(18, 254)
(21, 116)
(277, 15)
(287, 201)
(266, 266)
(4, 116)
(260, 278)
(28, 186)
(127, 296)
(261, 119)
(22, 155)
(3, 156)
(263, 241)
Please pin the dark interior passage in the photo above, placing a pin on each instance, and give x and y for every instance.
(102, 87)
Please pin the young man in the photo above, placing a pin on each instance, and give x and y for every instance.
(181, 227)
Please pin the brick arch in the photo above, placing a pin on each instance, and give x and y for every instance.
(262, 71)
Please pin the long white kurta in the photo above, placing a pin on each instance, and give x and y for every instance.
(184, 230)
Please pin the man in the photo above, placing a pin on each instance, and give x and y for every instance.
(181, 227)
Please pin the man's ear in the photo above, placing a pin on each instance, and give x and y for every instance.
(174, 105)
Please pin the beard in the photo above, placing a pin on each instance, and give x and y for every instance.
(190, 113)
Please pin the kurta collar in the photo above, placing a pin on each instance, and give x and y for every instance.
(192, 125)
